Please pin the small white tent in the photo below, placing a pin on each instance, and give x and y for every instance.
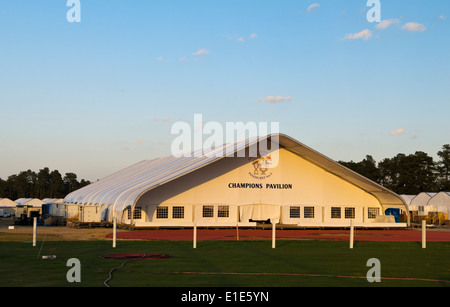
(420, 203)
(440, 202)
(32, 202)
(8, 206)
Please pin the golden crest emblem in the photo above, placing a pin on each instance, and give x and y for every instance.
(261, 165)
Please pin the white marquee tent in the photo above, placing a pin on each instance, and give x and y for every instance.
(6, 202)
(121, 191)
(420, 203)
(7, 205)
(33, 202)
(440, 202)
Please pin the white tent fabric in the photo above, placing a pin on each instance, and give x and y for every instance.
(440, 202)
(6, 202)
(123, 189)
(421, 201)
(260, 213)
(407, 198)
(34, 202)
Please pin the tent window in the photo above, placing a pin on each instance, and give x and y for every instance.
(223, 211)
(137, 213)
(308, 212)
(335, 212)
(178, 212)
(162, 212)
(294, 212)
(373, 212)
(208, 211)
(349, 213)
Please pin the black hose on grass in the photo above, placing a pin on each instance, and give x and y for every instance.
(131, 258)
(118, 268)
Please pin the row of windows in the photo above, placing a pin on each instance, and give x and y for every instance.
(308, 212)
(222, 211)
(336, 212)
(162, 212)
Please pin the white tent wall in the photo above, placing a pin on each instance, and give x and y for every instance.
(440, 203)
(72, 210)
(89, 214)
(420, 203)
(8, 206)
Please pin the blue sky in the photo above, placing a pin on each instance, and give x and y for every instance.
(96, 96)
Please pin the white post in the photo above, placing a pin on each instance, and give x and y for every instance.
(195, 235)
(273, 235)
(114, 232)
(34, 230)
(424, 234)
(352, 232)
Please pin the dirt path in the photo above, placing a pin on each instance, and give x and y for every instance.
(25, 233)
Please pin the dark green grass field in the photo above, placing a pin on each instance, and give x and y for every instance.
(213, 264)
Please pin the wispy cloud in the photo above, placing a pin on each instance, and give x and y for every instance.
(442, 17)
(414, 27)
(312, 7)
(241, 39)
(201, 52)
(397, 132)
(384, 24)
(364, 34)
(275, 99)
(160, 59)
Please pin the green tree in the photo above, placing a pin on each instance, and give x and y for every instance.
(43, 183)
(56, 185)
(367, 167)
(70, 182)
(408, 174)
(443, 168)
(2, 188)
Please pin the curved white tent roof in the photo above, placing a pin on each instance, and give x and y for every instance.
(420, 200)
(29, 202)
(6, 202)
(123, 189)
(408, 199)
(440, 202)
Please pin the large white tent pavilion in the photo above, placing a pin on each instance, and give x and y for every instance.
(303, 188)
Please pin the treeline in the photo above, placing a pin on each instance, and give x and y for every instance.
(408, 174)
(43, 184)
